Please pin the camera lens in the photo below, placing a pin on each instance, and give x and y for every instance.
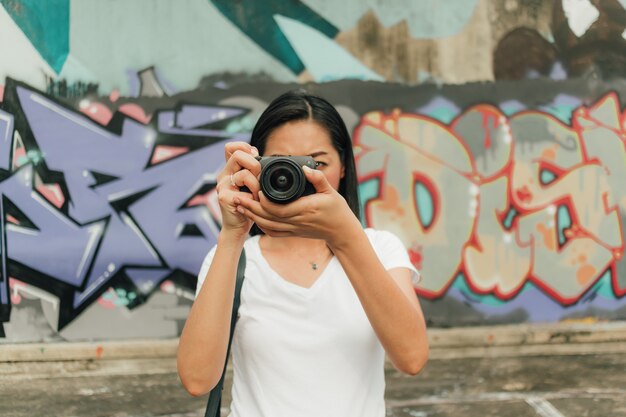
(282, 180)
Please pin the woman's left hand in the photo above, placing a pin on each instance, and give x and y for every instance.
(323, 215)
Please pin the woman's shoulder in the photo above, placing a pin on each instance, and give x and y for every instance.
(249, 245)
(376, 235)
(383, 240)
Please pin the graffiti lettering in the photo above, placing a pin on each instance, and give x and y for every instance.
(87, 191)
(518, 199)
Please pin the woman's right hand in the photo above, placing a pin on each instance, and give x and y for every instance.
(242, 169)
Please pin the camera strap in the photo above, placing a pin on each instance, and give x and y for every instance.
(215, 397)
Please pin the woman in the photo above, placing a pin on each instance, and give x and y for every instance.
(323, 299)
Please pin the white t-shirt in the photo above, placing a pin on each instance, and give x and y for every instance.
(307, 351)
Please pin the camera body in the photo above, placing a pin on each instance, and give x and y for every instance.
(282, 177)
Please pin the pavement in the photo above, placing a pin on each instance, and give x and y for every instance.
(560, 370)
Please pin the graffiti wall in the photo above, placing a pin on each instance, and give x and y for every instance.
(70, 46)
(513, 209)
(501, 167)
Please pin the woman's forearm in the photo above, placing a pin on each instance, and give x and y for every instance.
(398, 323)
(204, 339)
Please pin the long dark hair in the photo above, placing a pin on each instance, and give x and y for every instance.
(300, 105)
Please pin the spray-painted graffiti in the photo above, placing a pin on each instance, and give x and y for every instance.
(518, 199)
(46, 24)
(308, 40)
(86, 207)
(449, 42)
(108, 205)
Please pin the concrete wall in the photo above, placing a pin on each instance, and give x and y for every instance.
(490, 136)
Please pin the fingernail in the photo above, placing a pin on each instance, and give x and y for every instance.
(236, 200)
(255, 151)
(306, 168)
(240, 209)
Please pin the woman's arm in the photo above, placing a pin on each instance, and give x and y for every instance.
(387, 297)
(204, 339)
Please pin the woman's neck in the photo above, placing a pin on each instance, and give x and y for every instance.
(288, 243)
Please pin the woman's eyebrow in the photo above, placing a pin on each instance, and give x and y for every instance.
(312, 155)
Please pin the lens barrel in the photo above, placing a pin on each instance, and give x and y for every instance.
(282, 178)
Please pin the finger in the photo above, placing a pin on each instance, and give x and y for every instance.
(241, 160)
(225, 190)
(245, 178)
(264, 223)
(228, 200)
(282, 211)
(231, 147)
(257, 209)
(318, 179)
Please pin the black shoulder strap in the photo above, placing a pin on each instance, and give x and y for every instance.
(215, 397)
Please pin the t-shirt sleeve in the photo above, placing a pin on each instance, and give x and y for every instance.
(205, 268)
(393, 254)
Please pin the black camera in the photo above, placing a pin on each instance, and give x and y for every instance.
(282, 177)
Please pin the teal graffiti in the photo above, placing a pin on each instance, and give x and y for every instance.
(242, 125)
(603, 287)
(47, 26)
(256, 20)
(564, 221)
(460, 283)
(508, 219)
(443, 114)
(425, 204)
(561, 112)
(368, 190)
(33, 156)
(119, 297)
(324, 59)
(546, 177)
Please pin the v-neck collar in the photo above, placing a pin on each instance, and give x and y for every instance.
(288, 285)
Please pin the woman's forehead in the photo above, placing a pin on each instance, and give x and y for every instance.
(298, 138)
